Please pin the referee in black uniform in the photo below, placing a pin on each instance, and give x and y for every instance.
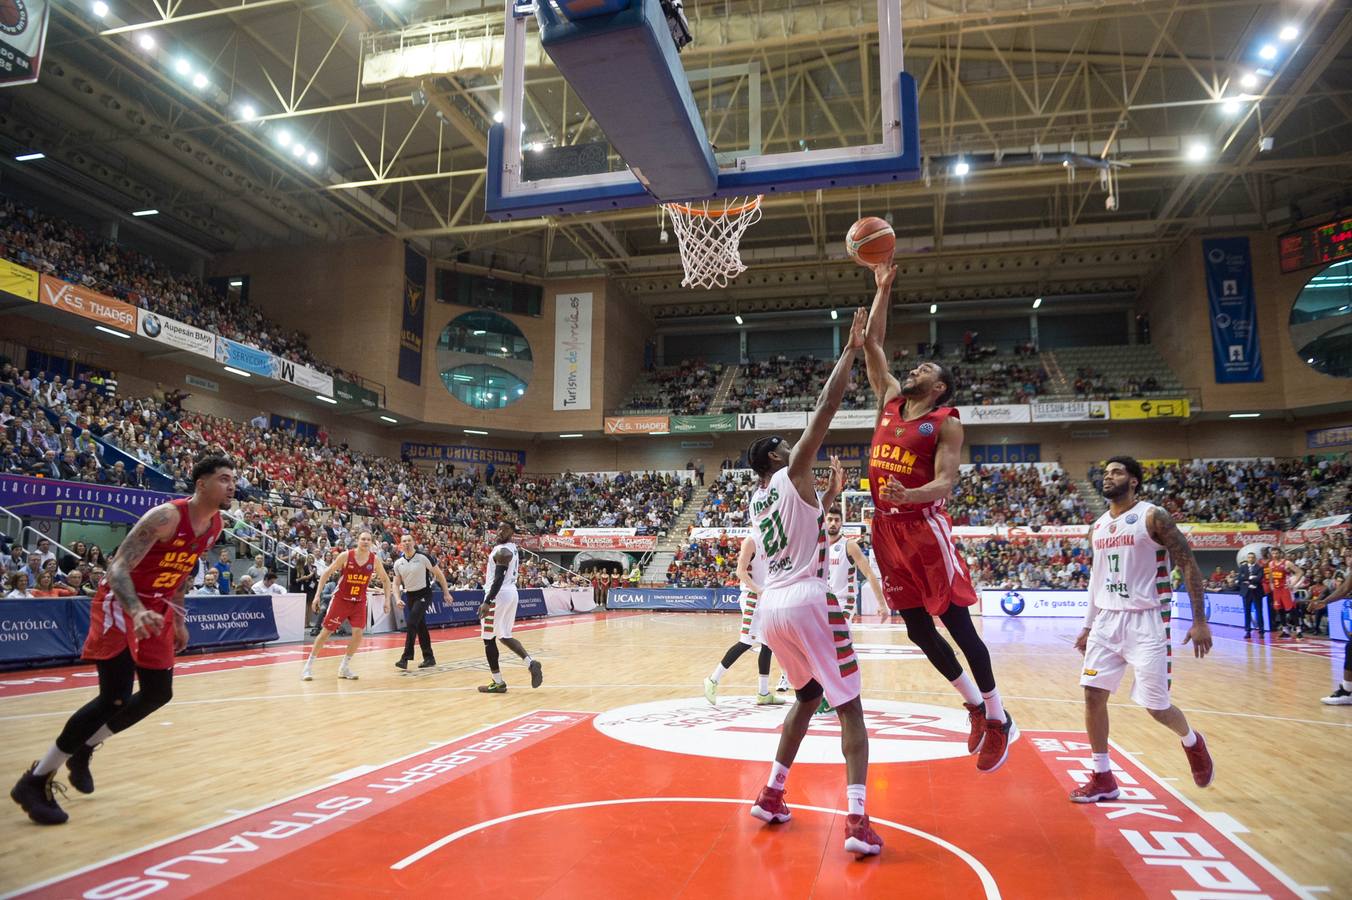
(413, 572)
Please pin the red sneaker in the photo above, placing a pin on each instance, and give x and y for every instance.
(976, 717)
(860, 837)
(1100, 786)
(770, 806)
(995, 746)
(1199, 760)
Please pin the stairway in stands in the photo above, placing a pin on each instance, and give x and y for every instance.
(1056, 383)
(656, 569)
(1093, 500)
(724, 388)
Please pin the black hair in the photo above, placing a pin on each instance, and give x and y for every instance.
(946, 377)
(759, 453)
(1131, 465)
(210, 465)
(505, 524)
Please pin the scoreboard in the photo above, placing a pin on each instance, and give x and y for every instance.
(1316, 246)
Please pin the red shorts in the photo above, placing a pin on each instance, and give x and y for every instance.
(919, 563)
(341, 610)
(1281, 598)
(110, 633)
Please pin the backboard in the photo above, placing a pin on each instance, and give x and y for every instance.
(791, 98)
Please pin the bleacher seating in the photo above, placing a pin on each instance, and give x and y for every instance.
(1117, 372)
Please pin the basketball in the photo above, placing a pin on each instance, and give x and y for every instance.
(10, 13)
(871, 241)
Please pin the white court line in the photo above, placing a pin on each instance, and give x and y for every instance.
(987, 879)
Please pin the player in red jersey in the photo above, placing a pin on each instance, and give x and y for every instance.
(913, 465)
(1280, 573)
(349, 601)
(135, 626)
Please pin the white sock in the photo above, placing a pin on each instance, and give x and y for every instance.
(497, 678)
(765, 684)
(99, 736)
(347, 660)
(718, 673)
(995, 710)
(967, 687)
(1347, 685)
(309, 660)
(527, 659)
(1101, 763)
(51, 761)
(1190, 739)
(854, 799)
(779, 775)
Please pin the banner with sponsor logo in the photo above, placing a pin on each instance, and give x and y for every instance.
(1220, 609)
(681, 599)
(243, 357)
(572, 351)
(1314, 530)
(92, 305)
(23, 32)
(1159, 408)
(848, 453)
(33, 630)
(784, 421)
(302, 376)
(205, 384)
(1186, 527)
(213, 621)
(1070, 411)
(710, 534)
(77, 501)
(636, 424)
(17, 280)
(414, 306)
(1032, 604)
(702, 424)
(463, 606)
(473, 456)
(1340, 620)
(175, 333)
(854, 418)
(1002, 414)
(628, 543)
(355, 394)
(1324, 438)
(1235, 350)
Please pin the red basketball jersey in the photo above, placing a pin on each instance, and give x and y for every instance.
(356, 577)
(905, 451)
(1277, 573)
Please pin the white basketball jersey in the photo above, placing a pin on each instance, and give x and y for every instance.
(759, 567)
(840, 571)
(789, 531)
(1130, 570)
(508, 580)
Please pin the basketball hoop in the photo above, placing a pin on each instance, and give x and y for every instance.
(709, 239)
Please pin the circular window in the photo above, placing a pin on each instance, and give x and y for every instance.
(1321, 321)
(484, 360)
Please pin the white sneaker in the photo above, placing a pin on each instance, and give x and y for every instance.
(1339, 697)
(306, 674)
(783, 683)
(711, 691)
(345, 672)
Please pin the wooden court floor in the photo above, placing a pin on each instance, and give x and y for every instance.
(616, 777)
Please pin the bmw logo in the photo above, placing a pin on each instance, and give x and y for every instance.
(1347, 617)
(1206, 607)
(927, 428)
(1132, 519)
(1013, 604)
(150, 324)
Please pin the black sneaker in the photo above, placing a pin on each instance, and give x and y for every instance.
(537, 673)
(427, 663)
(402, 664)
(35, 794)
(80, 777)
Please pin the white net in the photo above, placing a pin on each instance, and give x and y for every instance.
(710, 235)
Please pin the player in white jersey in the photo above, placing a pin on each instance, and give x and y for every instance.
(1130, 602)
(751, 576)
(845, 558)
(801, 620)
(498, 611)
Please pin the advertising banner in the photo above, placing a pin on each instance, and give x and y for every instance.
(463, 606)
(631, 544)
(636, 424)
(1340, 620)
(702, 424)
(92, 305)
(415, 309)
(1006, 414)
(32, 630)
(243, 357)
(1234, 326)
(854, 418)
(213, 621)
(472, 456)
(712, 534)
(175, 333)
(355, 394)
(1221, 609)
(698, 599)
(302, 376)
(1072, 411)
(572, 351)
(23, 31)
(1325, 438)
(1034, 604)
(1159, 408)
(16, 280)
(76, 501)
(790, 421)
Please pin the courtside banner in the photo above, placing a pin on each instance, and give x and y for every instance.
(572, 351)
(1340, 620)
(19, 281)
(244, 357)
(414, 308)
(727, 600)
(1220, 609)
(175, 333)
(76, 500)
(463, 607)
(33, 630)
(1234, 325)
(1034, 604)
(213, 621)
(701, 599)
(23, 31)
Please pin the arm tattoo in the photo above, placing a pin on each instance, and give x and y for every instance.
(134, 547)
(1167, 535)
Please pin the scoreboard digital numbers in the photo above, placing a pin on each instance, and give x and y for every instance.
(1316, 246)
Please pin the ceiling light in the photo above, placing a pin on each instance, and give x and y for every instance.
(1245, 415)
(497, 116)
(297, 150)
(1197, 151)
(520, 391)
(199, 81)
(1248, 80)
(462, 377)
(182, 66)
(834, 315)
(237, 282)
(145, 41)
(480, 433)
(934, 308)
(114, 333)
(389, 419)
(247, 112)
(312, 158)
(738, 319)
(1037, 303)
(1230, 107)
(233, 371)
(146, 212)
(535, 146)
(1268, 51)
(570, 435)
(326, 399)
(961, 168)
(284, 138)
(479, 331)
(29, 157)
(1289, 33)
(100, 8)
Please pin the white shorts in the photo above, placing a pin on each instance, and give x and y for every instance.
(751, 619)
(1138, 638)
(808, 632)
(501, 615)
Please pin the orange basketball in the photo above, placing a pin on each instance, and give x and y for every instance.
(871, 241)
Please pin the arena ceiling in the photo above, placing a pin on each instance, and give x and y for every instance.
(145, 107)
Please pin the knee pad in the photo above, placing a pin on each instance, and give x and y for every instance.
(809, 693)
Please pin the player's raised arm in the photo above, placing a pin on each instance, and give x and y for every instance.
(1162, 528)
(880, 377)
(157, 525)
(819, 422)
(835, 483)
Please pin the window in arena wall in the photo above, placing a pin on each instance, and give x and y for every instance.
(484, 360)
(1321, 321)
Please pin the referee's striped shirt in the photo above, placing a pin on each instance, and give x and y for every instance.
(414, 572)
